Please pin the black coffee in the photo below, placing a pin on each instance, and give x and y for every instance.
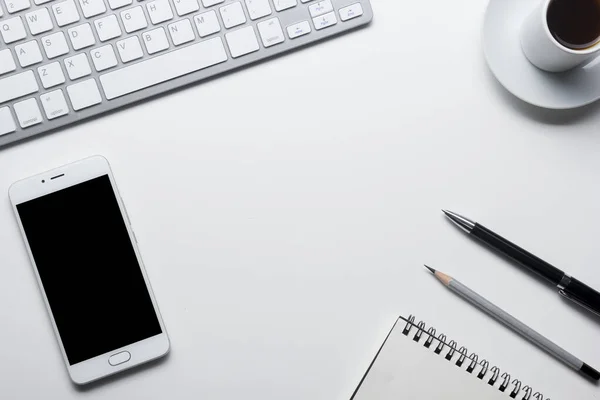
(575, 23)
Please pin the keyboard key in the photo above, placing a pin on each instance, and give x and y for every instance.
(55, 45)
(84, 94)
(77, 66)
(163, 68)
(159, 11)
(242, 42)
(103, 58)
(81, 36)
(38, 2)
(130, 49)
(155, 40)
(12, 6)
(54, 104)
(320, 8)
(12, 30)
(325, 21)
(7, 123)
(184, 7)
(107, 28)
(209, 3)
(351, 12)
(299, 29)
(258, 8)
(134, 19)
(51, 75)
(28, 113)
(91, 8)
(7, 62)
(18, 85)
(65, 12)
(114, 4)
(28, 53)
(270, 32)
(207, 23)
(233, 15)
(181, 32)
(39, 21)
(281, 5)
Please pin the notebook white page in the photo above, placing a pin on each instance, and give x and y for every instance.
(405, 369)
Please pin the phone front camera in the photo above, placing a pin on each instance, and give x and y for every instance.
(43, 181)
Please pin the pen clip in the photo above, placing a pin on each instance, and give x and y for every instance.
(576, 301)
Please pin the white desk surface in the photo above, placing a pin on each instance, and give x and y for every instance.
(284, 213)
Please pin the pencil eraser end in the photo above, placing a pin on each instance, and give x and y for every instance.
(590, 372)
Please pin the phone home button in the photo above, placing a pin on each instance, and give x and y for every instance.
(119, 358)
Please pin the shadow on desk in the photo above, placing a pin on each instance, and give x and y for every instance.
(582, 311)
(542, 115)
(122, 375)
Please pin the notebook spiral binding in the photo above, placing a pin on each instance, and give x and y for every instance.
(462, 356)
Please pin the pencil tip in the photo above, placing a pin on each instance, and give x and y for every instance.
(430, 269)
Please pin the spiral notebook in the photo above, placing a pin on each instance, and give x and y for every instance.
(415, 362)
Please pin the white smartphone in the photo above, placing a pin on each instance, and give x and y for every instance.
(89, 269)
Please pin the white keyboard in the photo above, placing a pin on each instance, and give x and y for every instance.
(65, 60)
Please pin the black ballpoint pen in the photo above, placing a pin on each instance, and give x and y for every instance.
(568, 286)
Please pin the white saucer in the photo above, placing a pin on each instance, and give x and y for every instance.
(502, 47)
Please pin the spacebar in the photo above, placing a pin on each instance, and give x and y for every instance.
(163, 68)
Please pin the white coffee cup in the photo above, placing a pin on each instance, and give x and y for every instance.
(543, 50)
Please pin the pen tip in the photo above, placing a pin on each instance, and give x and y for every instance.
(446, 212)
(430, 269)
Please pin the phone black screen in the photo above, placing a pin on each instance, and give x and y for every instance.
(89, 269)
